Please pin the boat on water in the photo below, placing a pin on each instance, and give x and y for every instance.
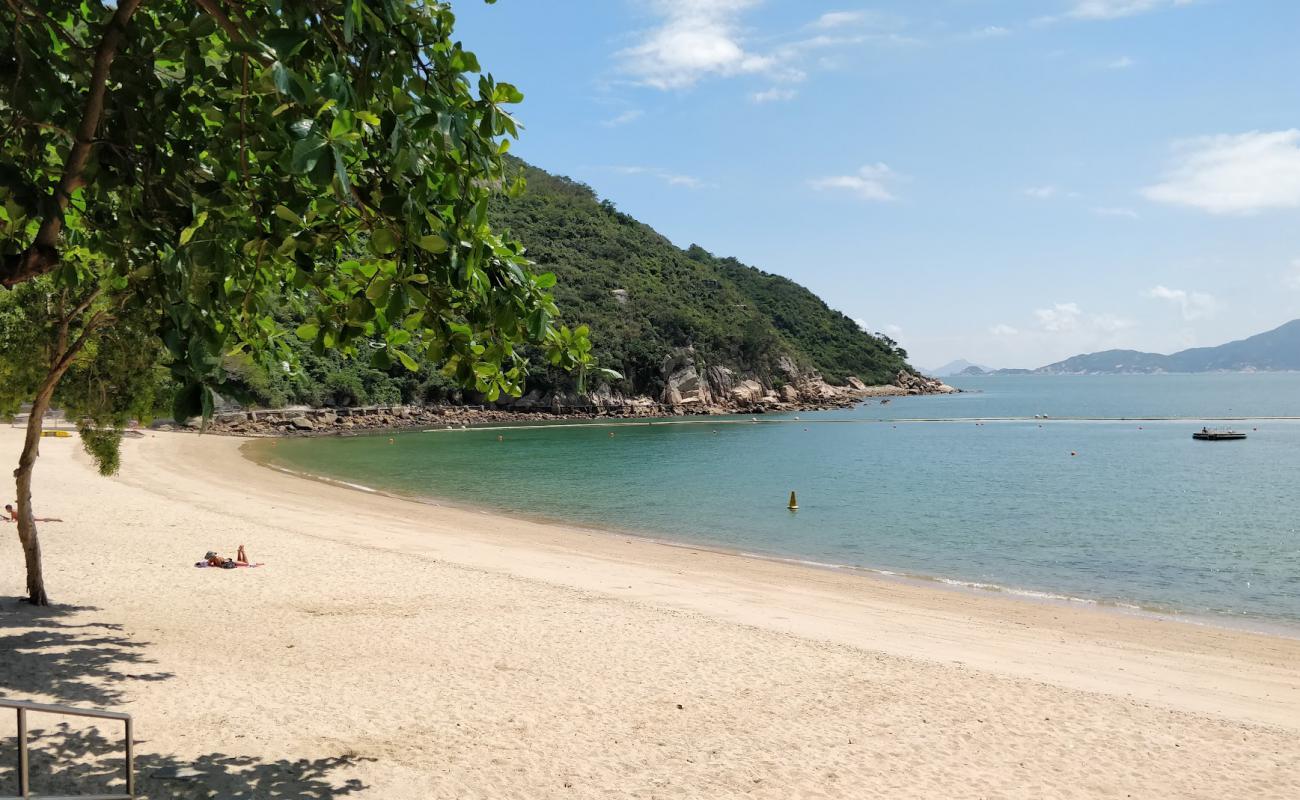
(1207, 435)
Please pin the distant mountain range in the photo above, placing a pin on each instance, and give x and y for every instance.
(1273, 351)
(957, 367)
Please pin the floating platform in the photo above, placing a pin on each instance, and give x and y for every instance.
(1205, 435)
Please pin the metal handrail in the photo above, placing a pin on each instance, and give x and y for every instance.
(24, 779)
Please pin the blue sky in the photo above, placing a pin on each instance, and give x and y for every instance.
(1009, 181)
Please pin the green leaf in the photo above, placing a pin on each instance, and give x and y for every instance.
(352, 15)
(377, 290)
(306, 153)
(286, 81)
(307, 332)
(507, 93)
(407, 361)
(285, 213)
(384, 241)
(341, 172)
(187, 402)
(432, 243)
(300, 129)
(546, 280)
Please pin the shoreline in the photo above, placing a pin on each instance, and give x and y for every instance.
(399, 650)
(307, 421)
(1264, 626)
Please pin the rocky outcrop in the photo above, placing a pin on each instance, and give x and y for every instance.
(748, 391)
(683, 383)
(919, 384)
(690, 387)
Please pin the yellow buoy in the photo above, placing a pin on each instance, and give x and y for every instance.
(794, 504)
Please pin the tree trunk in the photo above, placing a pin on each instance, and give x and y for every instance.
(23, 479)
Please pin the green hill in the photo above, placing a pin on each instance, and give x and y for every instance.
(645, 301)
(644, 298)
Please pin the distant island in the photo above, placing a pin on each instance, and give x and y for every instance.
(959, 367)
(1277, 350)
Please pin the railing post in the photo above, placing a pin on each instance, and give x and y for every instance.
(130, 759)
(24, 783)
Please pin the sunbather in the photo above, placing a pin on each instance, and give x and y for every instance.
(211, 559)
(12, 516)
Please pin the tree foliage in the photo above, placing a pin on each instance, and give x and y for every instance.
(112, 379)
(216, 158)
(172, 172)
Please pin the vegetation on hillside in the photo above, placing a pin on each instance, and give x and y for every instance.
(643, 297)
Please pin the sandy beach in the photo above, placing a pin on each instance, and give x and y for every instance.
(391, 649)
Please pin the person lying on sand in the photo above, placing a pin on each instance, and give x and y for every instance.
(12, 516)
(211, 559)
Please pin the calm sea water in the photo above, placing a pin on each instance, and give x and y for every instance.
(1126, 512)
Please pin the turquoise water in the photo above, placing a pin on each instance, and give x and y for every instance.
(1142, 515)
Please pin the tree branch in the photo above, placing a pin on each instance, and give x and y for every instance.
(81, 307)
(42, 255)
(69, 355)
(213, 10)
(236, 34)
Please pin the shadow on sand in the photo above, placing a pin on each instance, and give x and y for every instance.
(84, 663)
(95, 664)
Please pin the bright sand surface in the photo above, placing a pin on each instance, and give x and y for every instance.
(393, 649)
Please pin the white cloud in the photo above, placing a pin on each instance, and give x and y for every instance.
(1115, 9)
(1042, 192)
(989, 32)
(838, 19)
(1123, 62)
(773, 95)
(1115, 211)
(871, 182)
(630, 115)
(1002, 329)
(893, 330)
(1192, 305)
(1291, 279)
(697, 38)
(1109, 323)
(1070, 318)
(670, 178)
(1060, 317)
(1234, 173)
(879, 20)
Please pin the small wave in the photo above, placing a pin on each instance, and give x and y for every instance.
(353, 486)
(323, 479)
